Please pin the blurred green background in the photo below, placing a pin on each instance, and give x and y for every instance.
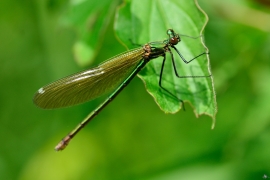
(132, 138)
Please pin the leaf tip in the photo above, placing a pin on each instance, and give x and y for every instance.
(213, 123)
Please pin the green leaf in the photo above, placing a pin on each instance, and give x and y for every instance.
(139, 22)
(90, 20)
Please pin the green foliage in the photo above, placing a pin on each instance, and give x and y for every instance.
(132, 138)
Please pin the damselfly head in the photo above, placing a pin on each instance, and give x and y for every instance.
(173, 37)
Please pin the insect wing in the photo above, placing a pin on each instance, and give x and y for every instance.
(90, 84)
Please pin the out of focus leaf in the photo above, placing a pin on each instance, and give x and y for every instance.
(90, 19)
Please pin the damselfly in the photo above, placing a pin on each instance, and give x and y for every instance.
(113, 74)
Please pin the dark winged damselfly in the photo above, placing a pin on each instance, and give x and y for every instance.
(113, 74)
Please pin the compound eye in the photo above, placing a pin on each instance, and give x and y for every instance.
(174, 40)
(170, 32)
